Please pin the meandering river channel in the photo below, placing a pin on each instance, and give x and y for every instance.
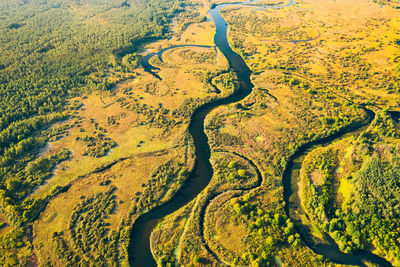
(139, 247)
(294, 211)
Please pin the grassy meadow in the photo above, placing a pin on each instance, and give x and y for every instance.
(113, 144)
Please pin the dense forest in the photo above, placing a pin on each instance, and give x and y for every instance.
(50, 51)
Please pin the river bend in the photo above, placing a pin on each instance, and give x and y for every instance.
(139, 246)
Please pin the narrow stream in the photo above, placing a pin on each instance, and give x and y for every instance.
(139, 246)
(239, 191)
(145, 61)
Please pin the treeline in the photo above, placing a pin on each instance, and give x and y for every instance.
(318, 195)
(164, 183)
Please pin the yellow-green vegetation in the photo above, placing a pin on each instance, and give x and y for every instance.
(239, 221)
(141, 115)
(89, 140)
(232, 174)
(313, 65)
(357, 202)
(58, 239)
(50, 52)
(253, 230)
(138, 132)
(351, 46)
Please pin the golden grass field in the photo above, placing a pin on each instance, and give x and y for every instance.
(141, 145)
(279, 116)
(349, 36)
(270, 124)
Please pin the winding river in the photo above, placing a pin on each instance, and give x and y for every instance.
(139, 246)
(294, 211)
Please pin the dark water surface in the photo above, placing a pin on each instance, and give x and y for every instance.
(139, 247)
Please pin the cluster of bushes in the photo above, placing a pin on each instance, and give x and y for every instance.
(17, 187)
(196, 57)
(114, 120)
(319, 197)
(269, 230)
(164, 182)
(219, 139)
(384, 125)
(191, 15)
(385, 2)
(9, 242)
(131, 61)
(155, 116)
(38, 171)
(16, 140)
(222, 81)
(368, 216)
(226, 82)
(92, 242)
(371, 215)
(97, 146)
(186, 109)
